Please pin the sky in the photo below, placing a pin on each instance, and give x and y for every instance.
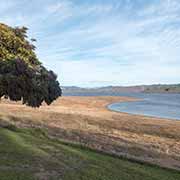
(92, 43)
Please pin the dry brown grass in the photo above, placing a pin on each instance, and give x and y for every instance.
(86, 120)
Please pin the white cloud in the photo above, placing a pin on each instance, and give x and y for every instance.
(113, 42)
(60, 6)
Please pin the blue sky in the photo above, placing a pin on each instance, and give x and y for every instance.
(103, 42)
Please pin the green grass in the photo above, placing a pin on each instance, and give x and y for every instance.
(29, 154)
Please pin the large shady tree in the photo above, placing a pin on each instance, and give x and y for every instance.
(22, 76)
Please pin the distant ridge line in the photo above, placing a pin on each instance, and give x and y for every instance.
(155, 88)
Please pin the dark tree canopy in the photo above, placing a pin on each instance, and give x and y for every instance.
(22, 76)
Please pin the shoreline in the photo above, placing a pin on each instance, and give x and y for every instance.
(144, 115)
(86, 120)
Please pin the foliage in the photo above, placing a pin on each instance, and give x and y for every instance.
(22, 77)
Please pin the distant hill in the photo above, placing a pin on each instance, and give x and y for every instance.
(158, 88)
(175, 88)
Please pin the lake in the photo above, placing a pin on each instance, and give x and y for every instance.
(152, 104)
(156, 105)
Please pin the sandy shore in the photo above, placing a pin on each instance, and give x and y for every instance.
(87, 120)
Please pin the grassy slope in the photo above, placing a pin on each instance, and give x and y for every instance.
(30, 154)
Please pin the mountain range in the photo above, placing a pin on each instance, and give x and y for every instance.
(157, 88)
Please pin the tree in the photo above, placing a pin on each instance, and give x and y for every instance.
(22, 76)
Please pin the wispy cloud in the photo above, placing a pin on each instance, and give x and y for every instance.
(118, 42)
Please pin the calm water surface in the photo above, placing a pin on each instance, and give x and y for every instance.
(157, 105)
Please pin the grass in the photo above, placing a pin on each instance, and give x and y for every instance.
(29, 154)
(85, 120)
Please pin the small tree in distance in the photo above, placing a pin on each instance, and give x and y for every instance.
(22, 76)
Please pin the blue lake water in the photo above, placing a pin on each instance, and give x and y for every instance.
(152, 104)
(157, 105)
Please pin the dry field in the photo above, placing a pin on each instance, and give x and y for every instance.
(86, 120)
